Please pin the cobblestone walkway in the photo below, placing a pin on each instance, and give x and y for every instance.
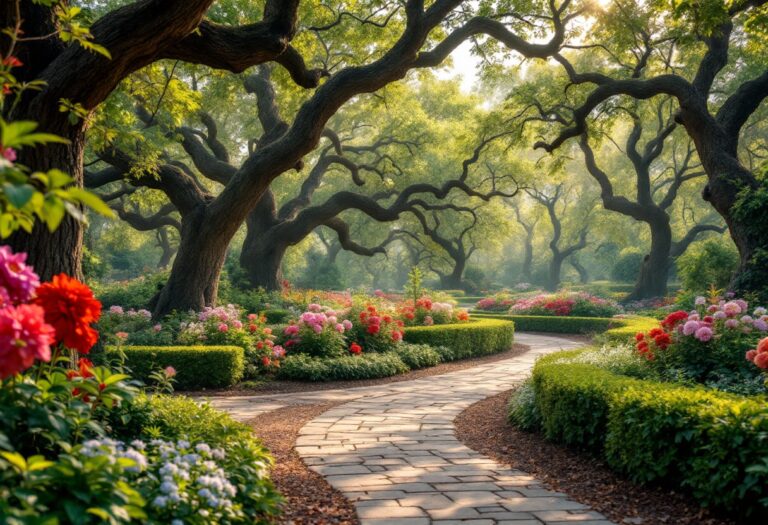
(392, 450)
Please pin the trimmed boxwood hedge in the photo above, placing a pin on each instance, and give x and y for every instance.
(630, 327)
(302, 367)
(709, 443)
(196, 366)
(471, 339)
(277, 315)
(575, 325)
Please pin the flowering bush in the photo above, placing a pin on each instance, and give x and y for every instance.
(759, 356)
(708, 345)
(376, 331)
(318, 332)
(426, 312)
(497, 303)
(580, 304)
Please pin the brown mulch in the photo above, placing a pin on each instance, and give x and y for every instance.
(284, 387)
(309, 498)
(586, 479)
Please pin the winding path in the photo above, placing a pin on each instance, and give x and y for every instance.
(391, 449)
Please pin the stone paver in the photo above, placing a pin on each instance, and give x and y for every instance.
(391, 449)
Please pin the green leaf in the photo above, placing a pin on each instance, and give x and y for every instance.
(92, 201)
(18, 195)
(16, 460)
(20, 133)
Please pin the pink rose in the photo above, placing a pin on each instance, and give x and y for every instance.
(223, 327)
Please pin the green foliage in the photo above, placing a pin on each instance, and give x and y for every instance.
(627, 266)
(709, 443)
(708, 263)
(277, 315)
(418, 356)
(472, 339)
(413, 288)
(364, 366)
(196, 366)
(750, 210)
(574, 325)
(628, 326)
(522, 409)
(135, 293)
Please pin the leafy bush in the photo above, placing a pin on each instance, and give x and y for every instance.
(135, 293)
(522, 408)
(627, 327)
(475, 338)
(711, 444)
(318, 332)
(554, 324)
(365, 366)
(707, 263)
(196, 366)
(627, 266)
(276, 315)
(418, 356)
(376, 331)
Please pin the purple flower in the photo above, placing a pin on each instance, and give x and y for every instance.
(746, 319)
(732, 323)
(115, 309)
(759, 311)
(742, 304)
(17, 279)
(690, 327)
(760, 325)
(704, 334)
(719, 315)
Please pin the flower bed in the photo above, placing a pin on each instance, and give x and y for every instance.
(578, 304)
(83, 444)
(708, 443)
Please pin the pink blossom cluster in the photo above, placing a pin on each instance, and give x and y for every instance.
(119, 310)
(707, 321)
(225, 314)
(318, 318)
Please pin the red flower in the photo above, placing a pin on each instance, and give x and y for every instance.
(373, 329)
(265, 361)
(356, 348)
(24, 337)
(655, 332)
(662, 340)
(639, 336)
(674, 318)
(761, 360)
(85, 366)
(70, 308)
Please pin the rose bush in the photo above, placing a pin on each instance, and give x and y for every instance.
(708, 345)
(318, 332)
(579, 304)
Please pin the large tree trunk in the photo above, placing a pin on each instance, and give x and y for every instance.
(168, 250)
(454, 280)
(51, 253)
(528, 259)
(194, 280)
(555, 269)
(654, 271)
(583, 273)
(264, 267)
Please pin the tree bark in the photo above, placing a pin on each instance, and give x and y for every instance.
(582, 271)
(654, 270)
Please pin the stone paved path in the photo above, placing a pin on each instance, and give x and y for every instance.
(392, 450)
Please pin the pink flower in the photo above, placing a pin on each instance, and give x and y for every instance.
(278, 351)
(169, 371)
(115, 309)
(267, 331)
(17, 280)
(719, 315)
(317, 328)
(750, 355)
(732, 323)
(291, 329)
(712, 309)
(237, 325)
(24, 337)
(314, 307)
(703, 334)
(428, 321)
(742, 304)
(397, 335)
(746, 319)
(732, 309)
(690, 327)
(223, 327)
(9, 154)
(700, 301)
(157, 327)
(252, 317)
(340, 328)
(347, 324)
(122, 335)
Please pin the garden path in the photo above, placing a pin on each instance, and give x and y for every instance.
(391, 449)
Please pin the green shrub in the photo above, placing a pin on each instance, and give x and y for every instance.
(522, 408)
(627, 266)
(135, 293)
(196, 366)
(555, 324)
(475, 338)
(366, 366)
(711, 444)
(628, 327)
(277, 315)
(710, 262)
(418, 356)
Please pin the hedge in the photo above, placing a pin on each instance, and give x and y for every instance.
(575, 325)
(196, 366)
(277, 315)
(630, 327)
(474, 338)
(302, 367)
(421, 356)
(709, 443)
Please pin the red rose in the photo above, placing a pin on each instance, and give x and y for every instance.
(70, 308)
(639, 336)
(373, 329)
(356, 348)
